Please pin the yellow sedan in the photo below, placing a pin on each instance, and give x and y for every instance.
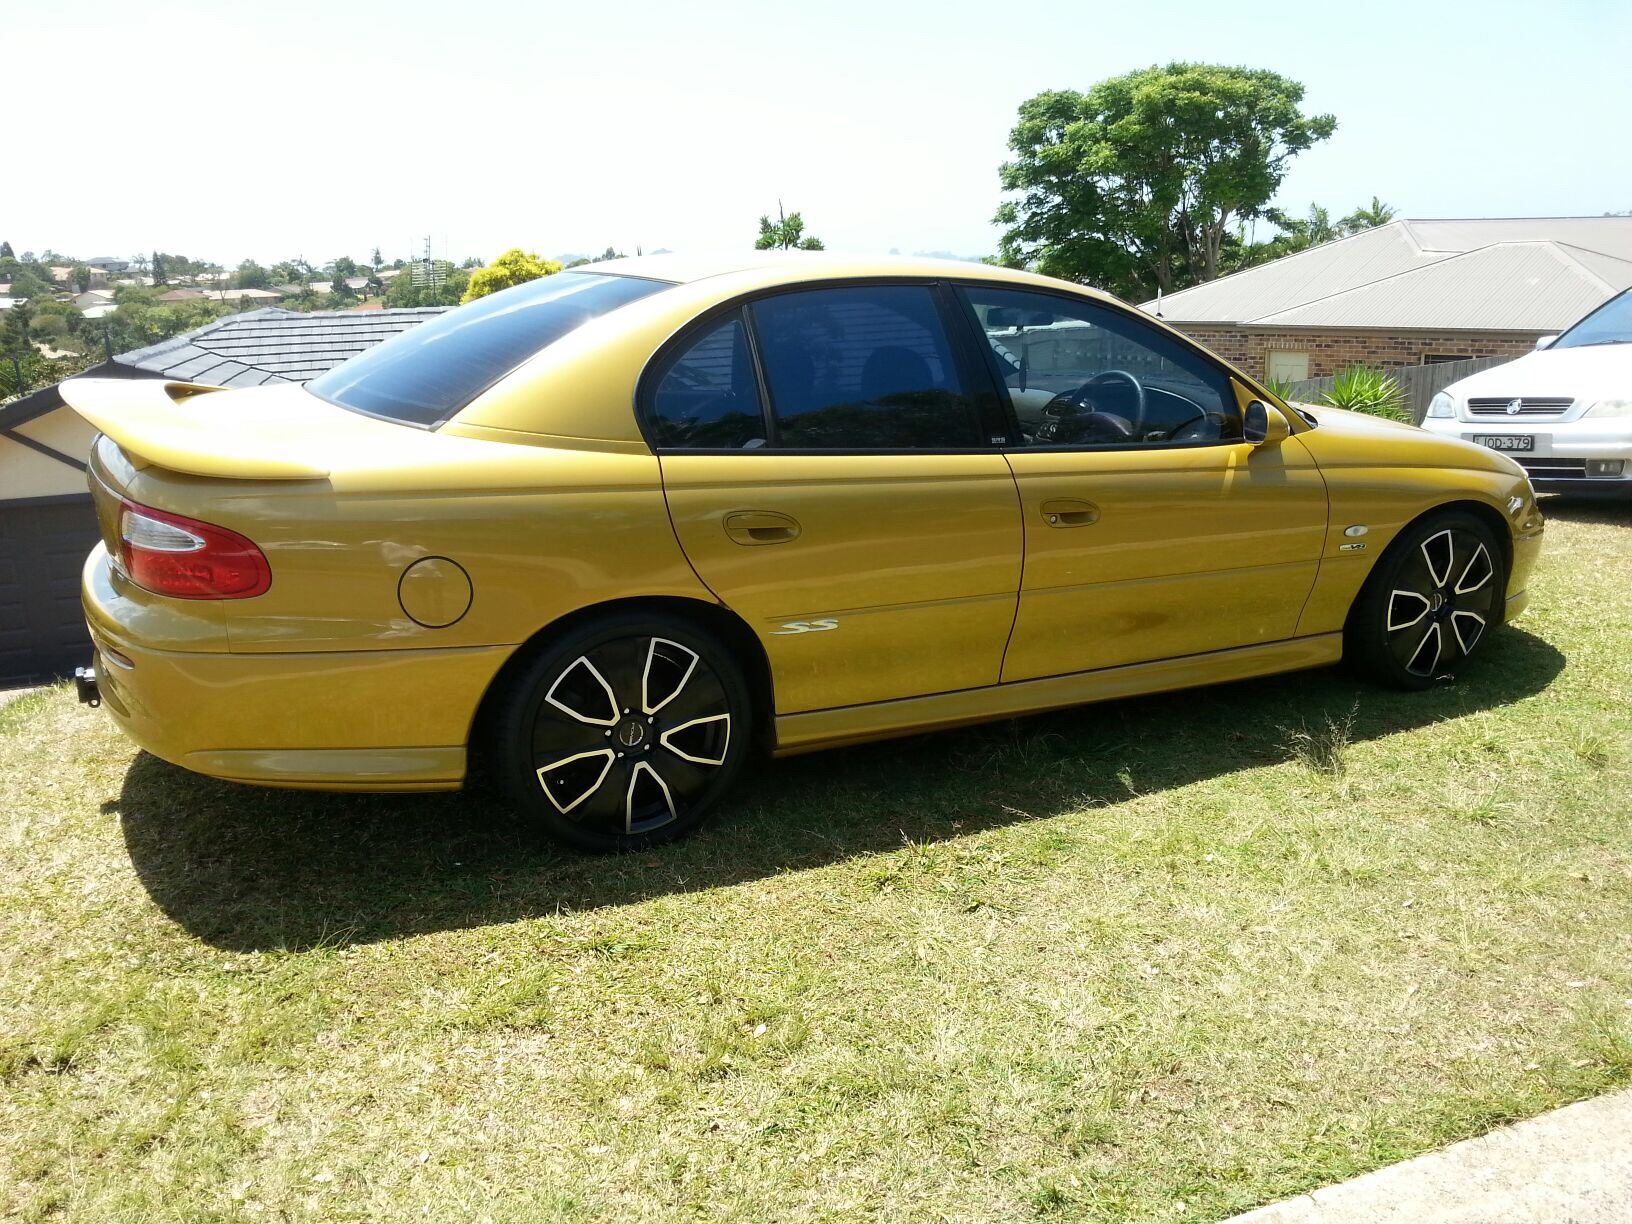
(608, 532)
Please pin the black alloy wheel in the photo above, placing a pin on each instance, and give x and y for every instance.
(1433, 599)
(624, 734)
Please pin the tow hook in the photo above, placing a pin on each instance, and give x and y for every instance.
(86, 687)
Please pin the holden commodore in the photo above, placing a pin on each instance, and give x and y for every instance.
(604, 534)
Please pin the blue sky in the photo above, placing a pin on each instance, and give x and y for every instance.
(226, 130)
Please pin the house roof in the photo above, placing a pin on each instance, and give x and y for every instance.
(1532, 274)
(242, 350)
(272, 345)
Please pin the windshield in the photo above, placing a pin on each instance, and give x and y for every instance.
(1611, 323)
(427, 374)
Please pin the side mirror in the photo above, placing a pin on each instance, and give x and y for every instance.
(1264, 425)
(1544, 342)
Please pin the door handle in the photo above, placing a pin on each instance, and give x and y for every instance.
(1069, 512)
(761, 527)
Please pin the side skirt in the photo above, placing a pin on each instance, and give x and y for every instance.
(796, 733)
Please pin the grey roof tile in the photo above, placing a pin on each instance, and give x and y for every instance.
(272, 345)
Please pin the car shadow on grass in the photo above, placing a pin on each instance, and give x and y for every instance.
(245, 868)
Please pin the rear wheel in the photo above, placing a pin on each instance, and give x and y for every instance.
(625, 732)
(1430, 603)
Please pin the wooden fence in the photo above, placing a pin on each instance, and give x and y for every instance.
(1419, 382)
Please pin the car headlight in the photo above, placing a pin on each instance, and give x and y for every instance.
(1442, 405)
(1610, 408)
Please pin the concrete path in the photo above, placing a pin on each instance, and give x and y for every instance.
(1572, 1166)
(7, 696)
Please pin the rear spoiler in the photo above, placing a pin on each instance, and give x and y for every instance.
(165, 424)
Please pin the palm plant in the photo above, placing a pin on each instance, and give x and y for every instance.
(1362, 388)
(1369, 216)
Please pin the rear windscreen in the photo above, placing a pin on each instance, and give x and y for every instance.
(427, 374)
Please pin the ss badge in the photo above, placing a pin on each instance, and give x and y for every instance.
(810, 626)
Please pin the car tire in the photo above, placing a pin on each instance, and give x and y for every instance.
(1431, 602)
(624, 732)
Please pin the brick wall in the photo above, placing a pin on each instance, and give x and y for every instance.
(1330, 351)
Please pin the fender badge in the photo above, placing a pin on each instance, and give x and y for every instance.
(1350, 547)
(811, 626)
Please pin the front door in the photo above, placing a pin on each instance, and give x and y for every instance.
(832, 478)
(1152, 529)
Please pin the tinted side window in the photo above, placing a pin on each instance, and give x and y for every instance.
(863, 369)
(1080, 374)
(709, 396)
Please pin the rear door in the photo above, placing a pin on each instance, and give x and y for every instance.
(831, 473)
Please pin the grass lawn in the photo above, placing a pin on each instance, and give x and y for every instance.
(1168, 957)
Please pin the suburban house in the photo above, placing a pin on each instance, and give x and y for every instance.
(182, 295)
(1408, 293)
(108, 263)
(248, 297)
(46, 521)
(92, 297)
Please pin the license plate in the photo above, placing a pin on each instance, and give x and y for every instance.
(1507, 442)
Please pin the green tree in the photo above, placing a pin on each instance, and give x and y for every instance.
(1369, 216)
(786, 233)
(160, 275)
(514, 267)
(15, 332)
(6, 252)
(340, 291)
(1137, 184)
(343, 267)
(82, 277)
(374, 259)
(402, 292)
(31, 281)
(38, 371)
(251, 275)
(1300, 233)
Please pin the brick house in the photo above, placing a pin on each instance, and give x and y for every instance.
(1409, 293)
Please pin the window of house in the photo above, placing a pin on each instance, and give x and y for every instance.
(1080, 374)
(863, 368)
(1286, 365)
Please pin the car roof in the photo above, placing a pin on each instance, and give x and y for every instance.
(601, 361)
(779, 267)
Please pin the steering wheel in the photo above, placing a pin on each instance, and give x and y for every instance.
(1104, 377)
(1201, 415)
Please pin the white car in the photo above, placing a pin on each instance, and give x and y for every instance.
(1564, 412)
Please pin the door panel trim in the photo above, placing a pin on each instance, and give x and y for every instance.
(806, 732)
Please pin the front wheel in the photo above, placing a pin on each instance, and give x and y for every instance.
(1433, 599)
(624, 733)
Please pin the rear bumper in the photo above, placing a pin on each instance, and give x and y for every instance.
(379, 720)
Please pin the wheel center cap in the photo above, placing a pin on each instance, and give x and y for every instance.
(630, 733)
(1436, 601)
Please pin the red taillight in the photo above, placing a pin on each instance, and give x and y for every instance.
(169, 554)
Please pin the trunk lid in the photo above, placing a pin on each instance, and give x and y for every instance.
(262, 433)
